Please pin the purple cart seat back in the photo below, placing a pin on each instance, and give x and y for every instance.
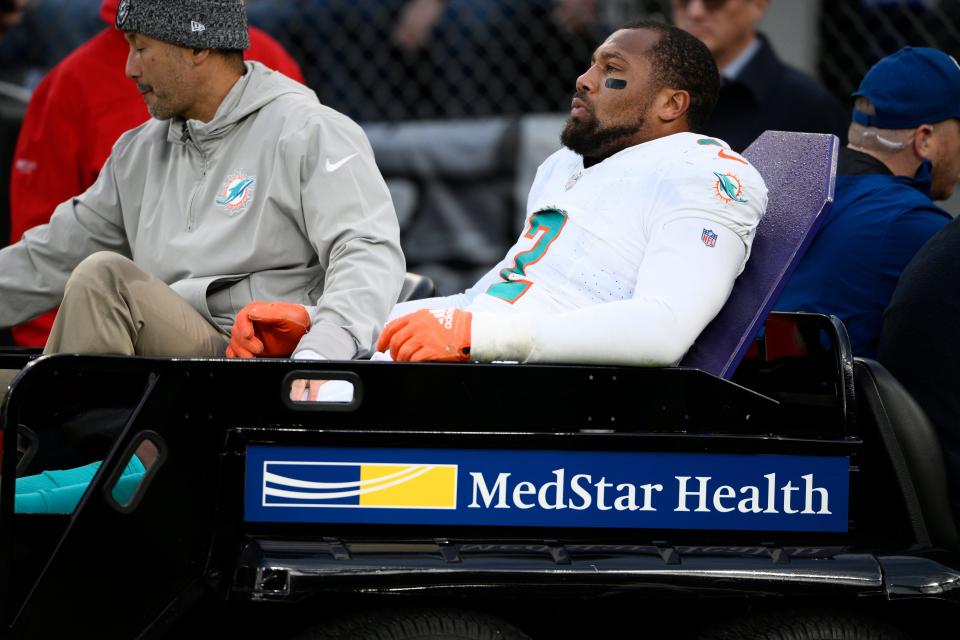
(800, 170)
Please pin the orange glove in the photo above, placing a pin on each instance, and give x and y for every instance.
(268, 329)
(438, 335)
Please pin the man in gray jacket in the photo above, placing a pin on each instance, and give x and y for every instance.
(242, 187)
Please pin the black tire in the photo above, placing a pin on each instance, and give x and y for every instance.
(802, 625)
(430, 624)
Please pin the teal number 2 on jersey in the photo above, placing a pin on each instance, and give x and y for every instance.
(548, 224)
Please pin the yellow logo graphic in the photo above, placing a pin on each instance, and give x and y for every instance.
(372, 485)
(411, 486)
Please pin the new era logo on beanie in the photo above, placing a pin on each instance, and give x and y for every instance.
(200, 24)
(122, 12)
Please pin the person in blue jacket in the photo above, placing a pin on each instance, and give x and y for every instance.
(758, 91)
(903, 153)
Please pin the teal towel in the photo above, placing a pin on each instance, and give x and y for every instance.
(60, 491)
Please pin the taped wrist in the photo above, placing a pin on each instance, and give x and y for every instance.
(501, 337)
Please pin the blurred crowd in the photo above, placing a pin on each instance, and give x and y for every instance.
(382, 59)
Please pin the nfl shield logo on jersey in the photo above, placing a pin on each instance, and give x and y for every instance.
(709, 238)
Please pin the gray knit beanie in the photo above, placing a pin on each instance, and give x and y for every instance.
(200, 24)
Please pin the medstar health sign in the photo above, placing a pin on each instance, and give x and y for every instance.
(547, 488)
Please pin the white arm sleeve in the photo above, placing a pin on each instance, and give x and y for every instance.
(681, 285)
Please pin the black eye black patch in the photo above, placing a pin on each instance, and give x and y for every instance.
(615, 83)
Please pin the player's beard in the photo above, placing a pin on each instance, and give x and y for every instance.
(595, 142)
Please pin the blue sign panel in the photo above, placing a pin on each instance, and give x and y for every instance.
(547, 488)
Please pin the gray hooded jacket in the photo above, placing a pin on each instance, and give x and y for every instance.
(276, 198)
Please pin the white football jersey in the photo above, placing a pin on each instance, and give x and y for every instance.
(624, 262)
(587, 230)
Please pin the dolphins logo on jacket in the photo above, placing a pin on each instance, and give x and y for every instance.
(237, 193)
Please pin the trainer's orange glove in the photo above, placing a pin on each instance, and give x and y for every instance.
(268, 329)
(438, 335)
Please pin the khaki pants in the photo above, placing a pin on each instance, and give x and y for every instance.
(112, 306)
(6, 377)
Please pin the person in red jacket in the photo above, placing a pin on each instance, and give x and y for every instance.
(75, 115)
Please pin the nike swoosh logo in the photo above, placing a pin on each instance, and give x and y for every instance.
(723, 154)
(333, 166)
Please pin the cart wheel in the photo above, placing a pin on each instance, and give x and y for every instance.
(803, 625)
(428, 624)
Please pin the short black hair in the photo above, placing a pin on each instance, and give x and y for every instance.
(681, 61)
(233, 56)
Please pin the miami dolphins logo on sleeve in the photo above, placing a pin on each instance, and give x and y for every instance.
(237, 192)
(722, 152)
(728, 187)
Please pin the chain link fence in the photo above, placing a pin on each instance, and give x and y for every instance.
(415, 59)
(854, 34)
(398, 60)
(393, 60)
